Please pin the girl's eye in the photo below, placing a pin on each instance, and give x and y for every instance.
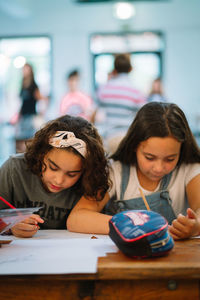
(170, 159)
(52, 168)
(71, 175)
(167, 159)
(149, 158)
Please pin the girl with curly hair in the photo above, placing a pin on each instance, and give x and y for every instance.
(63, 162)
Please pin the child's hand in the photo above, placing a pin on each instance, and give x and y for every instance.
(185, 226)
(28, 227)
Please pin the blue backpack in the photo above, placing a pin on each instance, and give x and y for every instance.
(140, 233)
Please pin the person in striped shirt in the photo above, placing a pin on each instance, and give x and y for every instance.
(119, 101)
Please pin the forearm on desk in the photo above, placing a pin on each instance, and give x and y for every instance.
(86, 221)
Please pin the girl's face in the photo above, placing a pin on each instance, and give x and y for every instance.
(63, 169)
(156, 157)
(26, 70)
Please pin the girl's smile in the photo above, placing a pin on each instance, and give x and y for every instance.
(62, 169)
(156, 157)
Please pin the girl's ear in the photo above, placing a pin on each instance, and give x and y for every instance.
(43, 165)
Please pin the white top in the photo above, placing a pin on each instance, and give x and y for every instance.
(180, 178)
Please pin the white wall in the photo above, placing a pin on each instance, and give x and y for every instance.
(70, 24)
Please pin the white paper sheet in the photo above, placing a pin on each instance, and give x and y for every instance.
(42, 255)
(58, 234)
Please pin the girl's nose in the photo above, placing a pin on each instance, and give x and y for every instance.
(159, 167)
(59, 178)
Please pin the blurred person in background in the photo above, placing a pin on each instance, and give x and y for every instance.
(28, 121)
(156, 93)
(120, 102)
(76, 102)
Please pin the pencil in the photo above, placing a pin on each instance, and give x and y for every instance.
(144, 199)
(6, 202)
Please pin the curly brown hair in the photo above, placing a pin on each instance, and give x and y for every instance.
(94, 181)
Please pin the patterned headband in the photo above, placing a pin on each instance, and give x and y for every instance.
(63, 139)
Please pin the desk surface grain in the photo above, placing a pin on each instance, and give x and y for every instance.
(174, 276)
(183, 261)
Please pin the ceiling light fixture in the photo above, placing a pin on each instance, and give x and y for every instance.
(124, 10)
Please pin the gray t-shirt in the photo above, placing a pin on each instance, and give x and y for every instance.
(22, 188)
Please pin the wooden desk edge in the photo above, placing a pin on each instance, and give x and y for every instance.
(183, 262)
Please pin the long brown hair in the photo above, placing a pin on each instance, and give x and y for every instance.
(28, 81)
(158, 119)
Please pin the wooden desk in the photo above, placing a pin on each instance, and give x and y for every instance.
(175, 276)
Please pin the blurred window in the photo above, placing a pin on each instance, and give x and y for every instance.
(145, 48)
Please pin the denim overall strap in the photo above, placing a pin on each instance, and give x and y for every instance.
(165, 181)
(158, 201)
(125, 178)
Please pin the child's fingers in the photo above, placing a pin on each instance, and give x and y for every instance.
(191, 214)
(174, 236)
(175, 232)
(183, 222)
(24, 230)
(26, 226)
(23, 233)
(37, 218)
(29, 221)
(182, 227)
(33, 219)
(177, 225)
